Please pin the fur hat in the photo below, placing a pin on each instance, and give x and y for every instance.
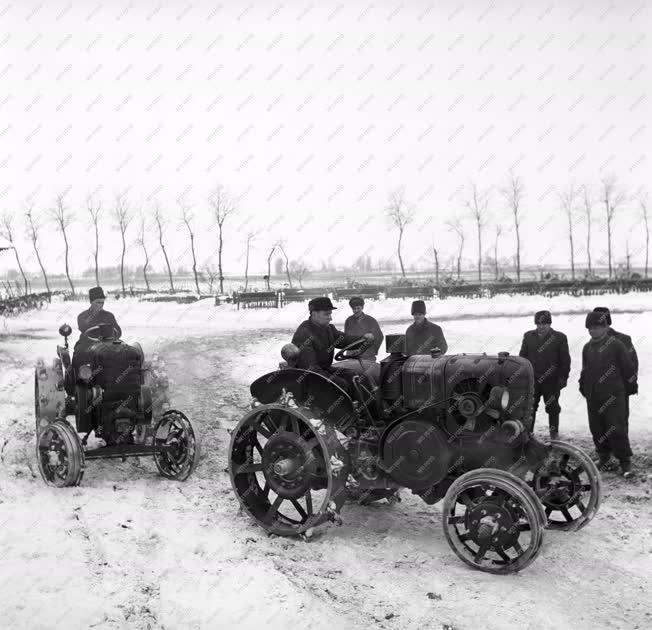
(542, 317)
(96, 293)
(320, 304)
(605, 310)
(356, 300)
(596, 318)
(418, 306)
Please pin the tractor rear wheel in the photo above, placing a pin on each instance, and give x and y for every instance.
(493, 521)
(60, 455)
(288, 469)
(568, 485)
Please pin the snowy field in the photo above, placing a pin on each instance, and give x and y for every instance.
(128, 549)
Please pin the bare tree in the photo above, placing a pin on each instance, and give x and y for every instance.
(32, 232)
(269, 264)
(160, 222)
(458, 227)
(211, 274)
(567, 201)
(62, 218)
(299, 271)
(643, 202)
(281, 246)
(187, 218)
(613, 197)
(140, 239)
(248, 243)
(477, 202)
(400, 214)
(513, 193)
(8, 233)
(94, 207)
(587, 201)
(123, 217)
(435, 255)
(223, 205)
(499, 230)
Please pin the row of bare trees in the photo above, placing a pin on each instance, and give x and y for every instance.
(475, 202)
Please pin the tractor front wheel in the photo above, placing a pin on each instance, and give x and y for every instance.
(60, 455)
(493, 521)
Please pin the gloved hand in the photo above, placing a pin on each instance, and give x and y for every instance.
(369, 336)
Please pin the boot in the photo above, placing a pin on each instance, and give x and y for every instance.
(626, 468)
(603, 462)
(553, 423)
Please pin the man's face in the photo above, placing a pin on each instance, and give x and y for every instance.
(542, 329)
(357, 309)
(419, 318)
(322, 318)
(597, 332)
(97, 305)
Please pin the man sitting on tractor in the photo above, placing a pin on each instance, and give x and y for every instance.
(316, 339)
(93, 318)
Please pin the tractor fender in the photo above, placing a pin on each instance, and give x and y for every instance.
(309, 389)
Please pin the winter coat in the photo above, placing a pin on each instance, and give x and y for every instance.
(361, 325)
(421, 338)
(607, 369)
(86, 319)
(316, 345)
(548, 355)
(627, 340)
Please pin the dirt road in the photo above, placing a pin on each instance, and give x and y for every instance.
(130, 549)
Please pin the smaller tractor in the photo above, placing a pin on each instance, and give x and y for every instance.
(116, 395)
(456, 428)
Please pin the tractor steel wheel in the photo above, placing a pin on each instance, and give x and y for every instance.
(568, 485)
(288, 469)
(177, 432)
(493, 521)
(60, 455)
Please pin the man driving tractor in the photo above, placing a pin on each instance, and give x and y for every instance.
(316, 339)
(94, 317)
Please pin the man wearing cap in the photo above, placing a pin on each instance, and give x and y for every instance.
(317, 338)
(626, 339)
(607, 378)
(547, 350)
(360, 323)
(422, 336)
(95, 315)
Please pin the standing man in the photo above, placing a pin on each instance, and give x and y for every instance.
(423, 335)
(317, 338)
(607, 378)
(360, 323)
(547, 350)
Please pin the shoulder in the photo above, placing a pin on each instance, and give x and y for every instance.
(109, 314)
(433, 325)
(621, 336)
(83, 314)
(560, 335)
(528, 333)
(303, 329)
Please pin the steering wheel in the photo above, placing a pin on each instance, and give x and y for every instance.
(355, 349)
(96, 337)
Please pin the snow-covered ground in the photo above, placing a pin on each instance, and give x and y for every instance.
(129, 549)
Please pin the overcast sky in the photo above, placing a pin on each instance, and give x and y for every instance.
(312, 111)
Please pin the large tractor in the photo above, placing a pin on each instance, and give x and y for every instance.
(451, 427)
(116, 397)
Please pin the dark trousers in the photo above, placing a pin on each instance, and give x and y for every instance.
(550, 395)
(343, 377)
(609, 426)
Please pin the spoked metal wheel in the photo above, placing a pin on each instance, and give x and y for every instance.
(568, 485)
(177, 432)
(60, 455)
(493, 521)
(288, 469)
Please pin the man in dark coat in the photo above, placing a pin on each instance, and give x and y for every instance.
(626, 339)
(422, 336)
(547, 350)
(93, 316)
(316, 339)
(607, 378)
(360, 323)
